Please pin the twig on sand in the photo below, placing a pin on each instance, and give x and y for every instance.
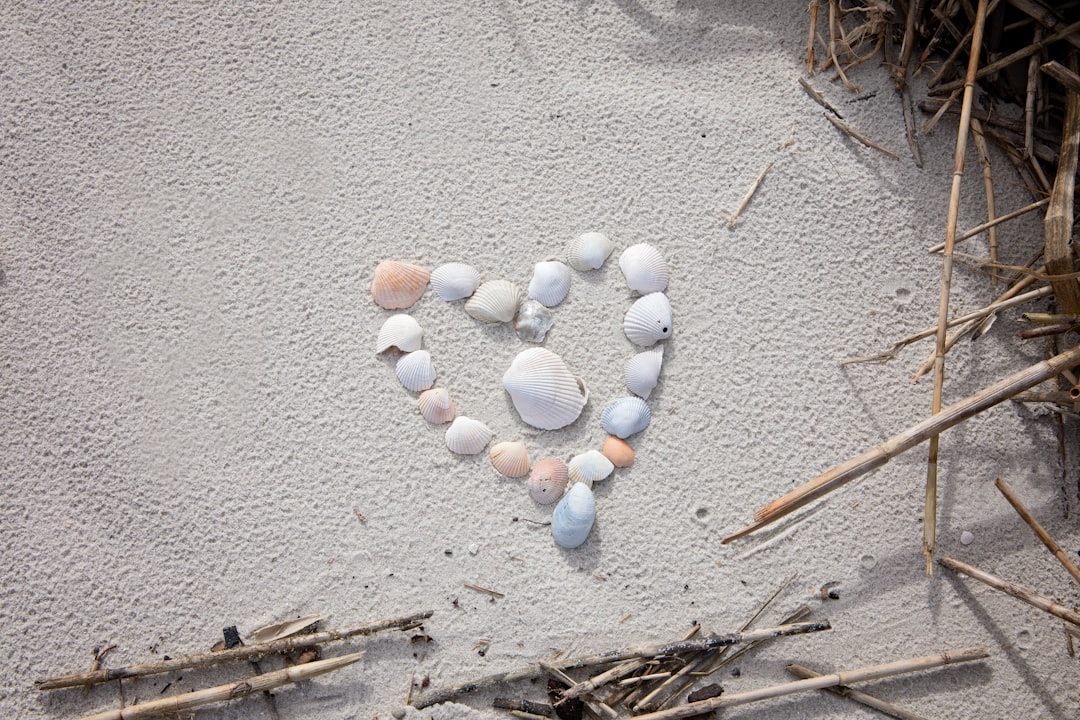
(749, 194)
(833, 22)
(810, 40)
(486, 591)
(1048, 541)
(988, 181)
(801, 671)
(1011, 588)
(852, 133)
(818, 97)
(967, 234)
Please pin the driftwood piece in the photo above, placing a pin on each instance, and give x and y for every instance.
(1036, 528)
(1010, 588)
(849, 693)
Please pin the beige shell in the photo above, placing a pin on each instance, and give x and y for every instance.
(548, 481)
(494, 302)
(589, 251)
(398, 285)
(589, 467)
(618, 451)
(436, 406)
(400, 331)
(510, 459)
(467, 436)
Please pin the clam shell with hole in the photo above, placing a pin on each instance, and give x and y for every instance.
(589, 251)
(550, 282)
(436, 406)
(415, 370)
(643, 370)
(648, 320)
(400, 331)
(510, 458)
(644, 268)
(618, 451)
(548, 480)
(467, 436)
(454, 281)
(544, 391)
(573, 517)
(589, 467)
(397, 285)
(494, 302)
(625, 417)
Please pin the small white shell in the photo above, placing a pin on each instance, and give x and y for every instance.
(644, 268)
(625, 417)
(454, 281)
(415, 370)
(589, 251)
(648, 320)
(545, 393)
(397, 285)
(643, 370)
(436, 406)
(548, 481)
(589, 467)
(400, 331)
(550, 282)
(495, 301)
(533, 321)
(510, 458)
(467, 436)
(573, 517)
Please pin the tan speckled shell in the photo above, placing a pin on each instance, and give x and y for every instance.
(398, 285)
(548, 481)
(510, 459)
(618, 451)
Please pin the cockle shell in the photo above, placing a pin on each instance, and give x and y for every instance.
(510, 458)
(544, 392)
(467, 436)
(548, 481)
(589, 467)
(454, 281)
(415, 370)
(648, 320)
(550, 282)
(573, 517)
(589, 251)
(398, 285)
(625, 417)
(618, 451)
(644, 268)
(436, 406)
(643, 370)
(400, 331)
(533, 321)
(495, 301)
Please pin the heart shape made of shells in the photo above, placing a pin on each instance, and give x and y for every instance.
(543, 390)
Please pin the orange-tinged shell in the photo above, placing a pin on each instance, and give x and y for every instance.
(548, 481)
(618, 451)
(398, 285)
(510, 459)
(436, 406)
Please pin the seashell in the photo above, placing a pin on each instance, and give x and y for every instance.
(589, 251)
(545, 393)
(436, 406)
(644, 268)
(467, 436)
(589, 467)
(533, 321)
(550, 282)
(398, 285)
(494, 301)
(573, 517)
(510, 459)
(454, 281)
(643, 370)
(415, 370)
(548, 481)
(648, 320)
(618, 451)
(400, 331)
(625, 417)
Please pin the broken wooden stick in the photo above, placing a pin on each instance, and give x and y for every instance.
(853, 133)
(1040, 533)
(1010, 588)
(850, 693)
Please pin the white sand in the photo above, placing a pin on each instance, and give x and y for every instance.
(193, 204)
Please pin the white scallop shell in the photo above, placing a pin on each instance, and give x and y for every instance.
(510, 458)
(415, 370)
(533, 321)
(400, 331)
(467, 436)
(544, 391)
(644, 268)
(643, 370)
(648, 320)
(625, 417)
(495, 301)
(436, 406)
(454, 281)
(589, 467)
(573, 517)
(550, 282)
(589, 251)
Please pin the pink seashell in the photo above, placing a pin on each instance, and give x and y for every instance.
(510, 459)
(548, 481)
(436, 406)
(398, 285)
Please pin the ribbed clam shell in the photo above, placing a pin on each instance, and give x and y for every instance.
(495, 301)
(436, 406)
(398, 285)
(644, 268)
(510, 458)
(648, 320)
(643, 370)
(467, 436)
(589, 251)
(589, 467)
(573, 517)
(548, 481)
(545, 393)
(415, 370)
(625, 417)
(618, 451)
(454, 281)
(550, 282)
(400, 331)
(533, 321)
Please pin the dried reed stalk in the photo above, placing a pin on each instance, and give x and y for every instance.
(1062, 74)
(1032, 92)
(988, 182)
(1040, 533)
(967, 234)
(851, 132)
(812, 35)
(1059, 216)
(801, 671)
(1011, 588)
(746, 198)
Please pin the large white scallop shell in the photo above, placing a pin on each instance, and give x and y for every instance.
(648, 320)
(625, 417)
(550, 282)
(643, 370)
(510, 458)
(544, 391)
(436, 406)
(454, 281)
(573, 517)
(589, 467)
(400, 331)
(548, 481)
(589, 251)
(467, 436)
(398, 285)
(415, 370)
(494, 302)
(644, 268)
